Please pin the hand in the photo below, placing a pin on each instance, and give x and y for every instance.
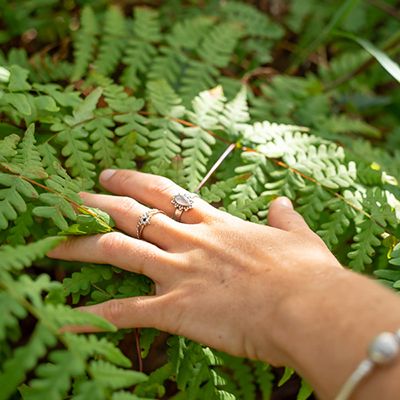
(219, 280)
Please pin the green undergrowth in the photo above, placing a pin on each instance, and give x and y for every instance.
(166, 89)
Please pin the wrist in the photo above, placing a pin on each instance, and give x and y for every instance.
(301, 310)
(324, 328)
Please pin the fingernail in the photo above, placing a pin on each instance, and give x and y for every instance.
(284, 202)
(82, 195)
(107, 174)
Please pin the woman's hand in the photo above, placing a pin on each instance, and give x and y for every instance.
(219, 280)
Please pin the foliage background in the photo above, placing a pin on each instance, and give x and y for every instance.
(96, 84)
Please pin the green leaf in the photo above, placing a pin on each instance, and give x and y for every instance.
(53, 379)
(85, 109)
(93, 221)
(19, 101)
(286, 376)
(18, 79)
(383, 59)
(23, 359)
(22, 256)
(113, 377)
(91, 345)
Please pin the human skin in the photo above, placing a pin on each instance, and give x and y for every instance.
(273, 293)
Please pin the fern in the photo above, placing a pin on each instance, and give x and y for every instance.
(24, 359)
(140, 50)
(112, 43)
(85, 43)
(22, 256)
(53, 379)
(166, 90)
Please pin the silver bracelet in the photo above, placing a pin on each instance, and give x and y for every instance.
(382, 350)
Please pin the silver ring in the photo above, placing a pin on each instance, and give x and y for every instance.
(182, 202)
(145, 220)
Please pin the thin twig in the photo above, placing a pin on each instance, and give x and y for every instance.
(220, 160)
(138, 351)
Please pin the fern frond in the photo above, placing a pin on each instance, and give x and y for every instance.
(207, 107)
(265, 379)
(220, 190)
(19, 257)
(188, 34)
(165, 142)
(219, 44)
(88, 390)
(76, 150)
(257, 165)
(101, 137)
(22, 228)
(243, 376)
(164, 99)
(54, 379)
(313, 201)
(197, 78)
(79, 284)
(167, 66)
(338, 222)
(368, 237)
(8, 147)
(256, 23)
(71, 134)
(196, 152)
(140, 50)
(11, 311)
(112, 42)
(248, 208)
(27, 161)
(24, 359)
(110, 376)
(56, 209)
(85, 42)
(235, 114)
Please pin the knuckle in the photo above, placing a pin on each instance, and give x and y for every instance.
(126, 206)
(148, 257)
(122, 177)
(113, 310)
(162, 185)
(112, 243)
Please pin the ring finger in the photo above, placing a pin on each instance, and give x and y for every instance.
(126, 212)
(119, 250)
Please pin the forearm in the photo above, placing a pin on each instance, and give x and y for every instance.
(325, 330)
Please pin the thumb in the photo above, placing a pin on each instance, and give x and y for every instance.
(282, 216)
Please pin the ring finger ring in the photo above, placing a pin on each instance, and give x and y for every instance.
(182, 202)
(145, 219)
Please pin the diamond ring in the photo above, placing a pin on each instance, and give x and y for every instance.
(182, 202)
(145, 219)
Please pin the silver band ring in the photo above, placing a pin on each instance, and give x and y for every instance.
(145, 219)
(182, 202)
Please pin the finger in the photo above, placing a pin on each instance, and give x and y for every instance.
(133, 312)
(154, 191)
(119, 250)
(125, 211)
(282, 216)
